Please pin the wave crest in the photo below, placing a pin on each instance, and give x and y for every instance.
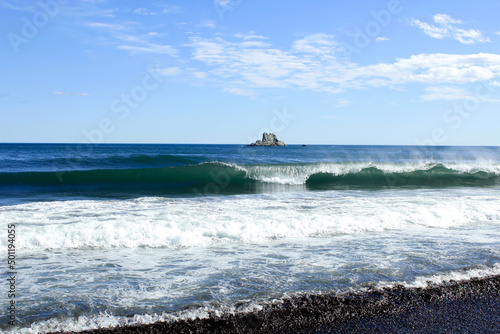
(245, 178)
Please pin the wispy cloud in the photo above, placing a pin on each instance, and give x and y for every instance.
(250, 35)
(169, 71)
(208, 24)
(70, 93)
(436, 68)
(320, 44)
(253, 64)
(342, 103)
(89, 8)
(149, 48)
(199, 75)
(315, 62)
(158, 10)
(112, 27)
(11, 6)
(447, 93)
(381, 39)
(143, 11)
(135, 43)
(334, 117)
(446, 27)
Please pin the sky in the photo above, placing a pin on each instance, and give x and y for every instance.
(396, 72)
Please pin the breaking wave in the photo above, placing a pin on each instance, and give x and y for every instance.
(244, 178)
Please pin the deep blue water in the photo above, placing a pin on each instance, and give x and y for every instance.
(65, 157)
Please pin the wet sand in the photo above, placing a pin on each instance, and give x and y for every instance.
(467, 306)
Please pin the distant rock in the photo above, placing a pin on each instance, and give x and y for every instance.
(268, 140)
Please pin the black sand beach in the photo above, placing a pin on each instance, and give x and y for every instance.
(471, 306)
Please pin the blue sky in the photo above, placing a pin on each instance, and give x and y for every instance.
(224, 71)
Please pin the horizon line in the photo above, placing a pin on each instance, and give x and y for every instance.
(128, 143)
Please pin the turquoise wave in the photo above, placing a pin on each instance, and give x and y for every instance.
(234, 178)
(437, 176)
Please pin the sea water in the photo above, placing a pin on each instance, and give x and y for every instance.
(110, 235)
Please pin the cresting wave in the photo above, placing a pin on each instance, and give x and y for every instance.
(244, 178)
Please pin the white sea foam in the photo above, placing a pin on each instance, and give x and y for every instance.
(172, 223)
(127, 256)
(105, 320)
(456, 275)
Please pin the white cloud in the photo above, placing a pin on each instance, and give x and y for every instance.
(222, 3)
(448, 93)
(334, 117)
(495, 83)
(108, 26)
(314, 62)
(136, 43)
(446, 27)
(170, 9)
(254, 44)
(68, 93)
(435, 69)
(149, 48)
(155, 34)
(317, 43)
(199, 75)
(254, 64)
(381, 39)
(160, 10)
(250, 35)
(143, 11)
(87, 9)
(169, 71)
(208, 24)
(8, 5)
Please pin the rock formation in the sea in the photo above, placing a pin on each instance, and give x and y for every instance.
(268, 140)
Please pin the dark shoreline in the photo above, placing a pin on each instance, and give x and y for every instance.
(455, 306)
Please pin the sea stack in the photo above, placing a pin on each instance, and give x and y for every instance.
(268, 140)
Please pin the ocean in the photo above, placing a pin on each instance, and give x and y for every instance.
(124, 234)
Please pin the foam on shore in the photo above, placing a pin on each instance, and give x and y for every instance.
(297, 312)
